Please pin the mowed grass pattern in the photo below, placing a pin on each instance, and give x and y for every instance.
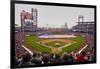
(32, 41)
(79, 41)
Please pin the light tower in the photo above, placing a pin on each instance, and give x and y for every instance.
(34, 17)
(22, 15)
(80, 19)
(66, 27)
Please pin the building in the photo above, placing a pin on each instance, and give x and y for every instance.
(17, 28)
(83, 26)
(29, 20)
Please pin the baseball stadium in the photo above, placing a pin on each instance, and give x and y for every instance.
(37, 46)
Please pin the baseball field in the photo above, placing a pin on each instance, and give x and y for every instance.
(55, 45)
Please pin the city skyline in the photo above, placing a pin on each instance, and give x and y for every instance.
(55, 16)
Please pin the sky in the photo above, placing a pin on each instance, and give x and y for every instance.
(55, 16)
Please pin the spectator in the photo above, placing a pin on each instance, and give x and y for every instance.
(81, 57)
(26, 60)
(68, 58)
(36, 59)
(45, 58)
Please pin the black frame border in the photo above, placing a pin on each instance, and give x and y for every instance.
(12, 28)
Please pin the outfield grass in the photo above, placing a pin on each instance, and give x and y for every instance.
(79, 42)
(32, 41)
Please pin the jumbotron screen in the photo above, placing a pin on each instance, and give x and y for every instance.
(49, 34)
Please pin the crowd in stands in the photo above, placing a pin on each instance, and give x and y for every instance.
(24, 58)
